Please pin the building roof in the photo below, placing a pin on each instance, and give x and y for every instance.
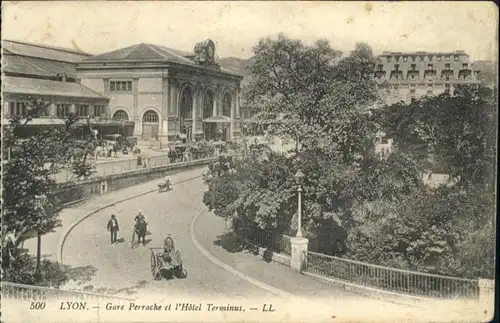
(43, 51)
(149, 52)
(456, 52)
(16, 64)
(31, 86)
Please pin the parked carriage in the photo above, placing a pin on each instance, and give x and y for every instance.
(166, 265)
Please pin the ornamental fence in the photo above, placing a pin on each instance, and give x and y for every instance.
(272, 241)
(360, 273)
(21, 292)
(391, 279)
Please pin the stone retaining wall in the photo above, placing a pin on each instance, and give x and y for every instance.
(70, 193)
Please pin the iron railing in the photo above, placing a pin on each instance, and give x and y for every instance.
(263, 238)
(126, 165)
(391, 279)
(21, 292)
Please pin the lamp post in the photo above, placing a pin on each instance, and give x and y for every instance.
(299, 179)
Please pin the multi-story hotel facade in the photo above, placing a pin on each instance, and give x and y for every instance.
(406, 76)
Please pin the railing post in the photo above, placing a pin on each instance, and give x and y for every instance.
(298, 254)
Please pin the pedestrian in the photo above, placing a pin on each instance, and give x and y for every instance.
(113, 228)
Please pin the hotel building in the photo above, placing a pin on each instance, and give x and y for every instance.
(407, 76)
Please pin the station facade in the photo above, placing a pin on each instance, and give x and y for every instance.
(167, 94)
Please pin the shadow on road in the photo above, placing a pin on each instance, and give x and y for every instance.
(81, 275)
(232, 243)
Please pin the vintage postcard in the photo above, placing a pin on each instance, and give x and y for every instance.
(215, 161)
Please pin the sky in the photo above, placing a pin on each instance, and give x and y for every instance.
(235, 27)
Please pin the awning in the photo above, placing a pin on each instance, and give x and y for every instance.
(218, 119)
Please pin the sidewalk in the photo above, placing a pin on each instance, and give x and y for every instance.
(68, 216)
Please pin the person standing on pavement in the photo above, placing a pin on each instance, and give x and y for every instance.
(113, 228)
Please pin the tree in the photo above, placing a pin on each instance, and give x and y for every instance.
(313, 95)
(319, 95)
(457, 132)
(448, 230)
(34, 162)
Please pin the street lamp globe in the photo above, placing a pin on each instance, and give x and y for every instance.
(299, 177)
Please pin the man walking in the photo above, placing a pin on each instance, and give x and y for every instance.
(113, 228)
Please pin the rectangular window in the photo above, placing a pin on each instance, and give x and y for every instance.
(120, 86)
(439, 58)
(456, 58)
(63, 110)
(447, 65)
(388, 59)
(421, 58)
(430, 58)
(82, 110)
(17, 108)
(397, 58)
(413, 66)
(380, 67)
(465, 66)
(448, 58)
(430, 66)
(396, 67)
(413, 58)
(405, 59)
(98, 110)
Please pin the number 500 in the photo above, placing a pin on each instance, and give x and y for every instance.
(37, 305)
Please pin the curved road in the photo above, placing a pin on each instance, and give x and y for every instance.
(119, 267)
(213, 271)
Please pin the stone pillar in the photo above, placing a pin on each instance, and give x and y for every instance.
(137, 125)
(6, 109)
(53, 110)
(298, 260)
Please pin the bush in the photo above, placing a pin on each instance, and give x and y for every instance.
(51, 274)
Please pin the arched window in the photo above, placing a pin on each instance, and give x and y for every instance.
(226, 105)
(208, 105)
(186, 108)
(120, 115)
(150, 116)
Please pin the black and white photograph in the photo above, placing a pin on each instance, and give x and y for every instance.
(249, 161)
